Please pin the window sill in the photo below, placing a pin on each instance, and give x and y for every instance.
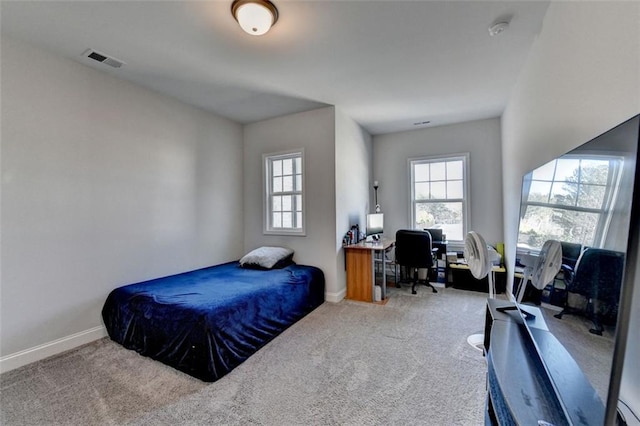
(285, 233)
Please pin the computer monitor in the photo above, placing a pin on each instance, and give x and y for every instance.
(375, 224)
(436, 234)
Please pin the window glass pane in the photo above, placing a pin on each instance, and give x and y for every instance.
(438, 171)
(591, 196)
(298, 161)
(594, 171)
(446, 216)
(277, 184)
(287, 220)
(421, 172)
(545, 172)
(287, 166)
(286, 203)
(298, 183)
(540, 224)
(564, 193)
(422, 191)
(277, 167)
(454, 170)
(277, 220)
(277, 203)
(539, 192)
(299, 203)
(438, 189)
(299, 220)
(567, 170)
(287, 183)
(454, 189)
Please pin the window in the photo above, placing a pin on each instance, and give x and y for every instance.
(439, 194)
(284, 189)
(569, 199)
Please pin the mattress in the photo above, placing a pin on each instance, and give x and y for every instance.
(207, 322)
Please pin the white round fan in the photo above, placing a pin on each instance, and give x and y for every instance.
(477, 255)
(544, 269)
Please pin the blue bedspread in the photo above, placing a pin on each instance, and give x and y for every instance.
(207, 322)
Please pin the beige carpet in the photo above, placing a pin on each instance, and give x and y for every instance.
(350, 363)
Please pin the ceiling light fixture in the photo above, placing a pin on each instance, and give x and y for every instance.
(498, 28)
(254, 16)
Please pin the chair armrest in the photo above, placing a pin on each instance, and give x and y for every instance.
(568, 273)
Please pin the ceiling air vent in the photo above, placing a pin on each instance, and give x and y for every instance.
(102, 58)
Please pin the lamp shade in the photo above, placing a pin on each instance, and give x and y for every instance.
(254, 16)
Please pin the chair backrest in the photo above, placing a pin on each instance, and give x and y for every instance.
(598, 274)
(413, 248)
(570, 253)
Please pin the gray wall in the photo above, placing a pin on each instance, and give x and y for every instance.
(582, 77)
(103, 184)
(481, 139)
(315, 132)
(354, 187)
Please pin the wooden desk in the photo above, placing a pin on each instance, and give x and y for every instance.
(361, 276)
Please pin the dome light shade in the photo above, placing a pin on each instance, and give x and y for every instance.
(254, 16)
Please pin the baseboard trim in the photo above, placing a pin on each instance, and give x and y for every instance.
(335, 297)
(27, 356)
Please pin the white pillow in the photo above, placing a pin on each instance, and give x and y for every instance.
(267, 257)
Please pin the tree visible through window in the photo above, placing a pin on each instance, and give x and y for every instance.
(284, 212)
(569, 199)
(438, 195)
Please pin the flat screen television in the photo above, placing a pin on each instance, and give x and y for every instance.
(590, 196)
(375, 226)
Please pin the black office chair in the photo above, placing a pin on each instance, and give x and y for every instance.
(570, 254)
(598, 277)
(413, 250)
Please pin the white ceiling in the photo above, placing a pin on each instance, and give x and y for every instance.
(386, 64)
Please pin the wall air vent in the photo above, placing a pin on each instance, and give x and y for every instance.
(102, 58)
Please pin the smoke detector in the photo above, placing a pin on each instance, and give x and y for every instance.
(498, 28)
(102, 58)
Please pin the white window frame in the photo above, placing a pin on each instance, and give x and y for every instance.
(464, 157)
(267, 162)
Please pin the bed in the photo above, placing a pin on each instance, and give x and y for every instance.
(207, 322)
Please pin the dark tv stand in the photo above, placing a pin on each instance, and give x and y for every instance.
(531, 378)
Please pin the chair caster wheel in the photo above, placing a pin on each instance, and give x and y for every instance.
(559, 316)
(434, 290)
(414, 292)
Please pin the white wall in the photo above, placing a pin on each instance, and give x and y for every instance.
(481, 139)
(315, 132)
(582, 77)
(354, 187)
(103, 184)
